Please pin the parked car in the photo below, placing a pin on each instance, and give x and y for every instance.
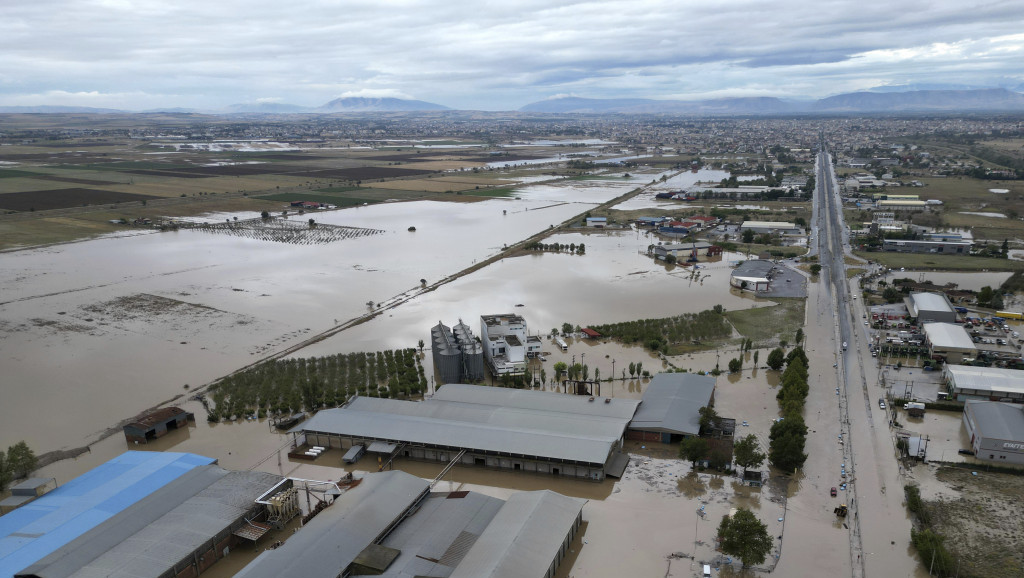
(881, 403)
(833, 491)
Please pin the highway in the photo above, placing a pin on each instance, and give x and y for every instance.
(878, 527)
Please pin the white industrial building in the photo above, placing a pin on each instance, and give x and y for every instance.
(930, 307)
(949, 341)
(984, 383)
(996, 430)
(507, 343)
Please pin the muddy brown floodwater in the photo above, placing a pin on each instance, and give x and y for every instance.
(93, 332)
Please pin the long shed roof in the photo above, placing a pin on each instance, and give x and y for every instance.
(489, 419)
(524, 537)
(929, 302)
(149, 537)
(672, 403)
(995, 379)
(39, 528)
(326, 545)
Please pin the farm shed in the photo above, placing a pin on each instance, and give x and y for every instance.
(670, 409)
(156, 424)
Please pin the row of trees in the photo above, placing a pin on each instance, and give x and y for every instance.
(788, 435)
(288, 385)
(572, 248)
(660, 334)
(17, 462)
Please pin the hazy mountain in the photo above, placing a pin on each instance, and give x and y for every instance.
(267, 108)
(923, 101)
(362, 104)
(47, 109)
(858, 102)
(572, 104)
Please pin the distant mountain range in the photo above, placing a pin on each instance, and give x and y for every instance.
(991, 99)
(877, 100)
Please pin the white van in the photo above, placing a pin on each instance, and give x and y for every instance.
(707, 571)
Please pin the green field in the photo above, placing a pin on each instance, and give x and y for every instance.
(339, 201)
(940, 262)
(768, 325)
(498, 192)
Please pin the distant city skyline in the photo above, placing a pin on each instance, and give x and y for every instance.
(145, 54)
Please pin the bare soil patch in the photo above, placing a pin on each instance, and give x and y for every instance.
(980, 517)
(360, 173)
(64, 198)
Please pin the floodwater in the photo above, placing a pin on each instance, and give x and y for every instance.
(680, 181)
(79, 323)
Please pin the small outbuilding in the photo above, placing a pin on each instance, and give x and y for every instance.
(156, 424)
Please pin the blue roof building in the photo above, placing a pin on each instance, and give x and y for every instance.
(39, 528)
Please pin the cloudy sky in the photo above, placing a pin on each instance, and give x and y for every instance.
(493, 55)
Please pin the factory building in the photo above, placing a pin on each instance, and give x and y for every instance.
(458, 355)
(142, 514)
(930, 307)
(996, 430)
(924, 246)
(773, 228)
(391, 524)
(984, 383)
(755, 275)
(507, 343)
(515, 429)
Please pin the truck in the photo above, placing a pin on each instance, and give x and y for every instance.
(1010, 314)
(961, 310)
(914, 409)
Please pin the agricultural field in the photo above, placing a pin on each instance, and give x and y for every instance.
(927, 261)
(1001, 213)
(64, 198)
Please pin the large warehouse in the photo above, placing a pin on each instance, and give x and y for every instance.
(930, 307)
(142, 514)
(996, 430)
(984, 383)
(392, 525)
(516, 429)
(671, 407)
(949, 341)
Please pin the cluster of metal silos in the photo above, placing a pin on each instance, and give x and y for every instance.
(458, 357)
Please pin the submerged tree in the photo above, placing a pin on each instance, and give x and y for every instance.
(744, 536)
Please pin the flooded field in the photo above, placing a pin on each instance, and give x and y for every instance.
(972, 281)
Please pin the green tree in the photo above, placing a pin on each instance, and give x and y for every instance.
(632, 369)
(985, 296)
(5, 472)
(815, 269)
(543, 377)
(747, 236)
(639, 368)
(755, 358)
(892, 295)
(747, 454)
(597, 374)
(797, 353)
(693, 449)
(997, 301)
(932, 551)
(744, 536)
(559, 368)
(585, 372)
(776, 358)
(421, 344)
(786, 448)
(566, 328)
(21, 460)
(799, 337)
(735, 365)
(265, 215)
(708, 418)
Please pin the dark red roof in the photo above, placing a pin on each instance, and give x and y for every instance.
(590, 332)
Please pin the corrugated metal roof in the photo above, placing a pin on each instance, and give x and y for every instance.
(672, 402)
(949, 336)
(39, 528)
(472, 436)
(147, 538)
(930, 302)
(537, 400)
(998, 420)
(326, 545)
(437, 537)
(524, 537)
(986, 378)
